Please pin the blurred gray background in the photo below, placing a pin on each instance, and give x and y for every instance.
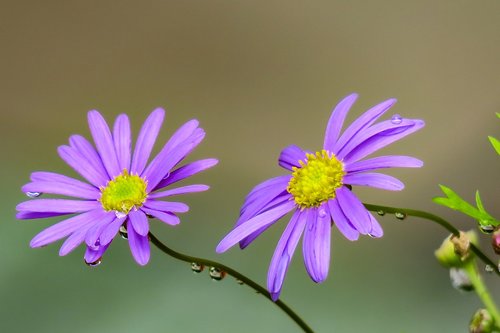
(259, 75)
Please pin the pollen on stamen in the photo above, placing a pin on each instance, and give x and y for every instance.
(316, 180)
(123, 193)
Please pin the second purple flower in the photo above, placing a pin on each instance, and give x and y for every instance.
(318, 191)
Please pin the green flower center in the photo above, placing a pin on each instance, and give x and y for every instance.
(316, 180)
(123, 193)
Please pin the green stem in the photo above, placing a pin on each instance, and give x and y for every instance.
(261, 290)
(434, 218)
(482, 291)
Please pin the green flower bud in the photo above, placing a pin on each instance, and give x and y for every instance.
(455, 251)
(481, 322)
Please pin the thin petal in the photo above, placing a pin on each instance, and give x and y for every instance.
(72, 242)
(378, 136)
(377, 180)
(94, 232)
(164, 162)
(353, 210)
(259, 221)
(365, 120)
(272, 184)
(93, 256)
(36, 215)
(81, 165)
(110, 231)
(66, 227)
(272, 204)
(87, 151)
(122, 141)
(186, 171)
(341, 222)
(58, 206)
(139, 222)
(167, 206)
(376, 230)
(290, 157)
(104, 143)
(316, 245)
(337, 120)
(165, 217)
(139, 246)
(182, 134)
(76, 190)
(283, 254)
(179, 190)
(146, 140)
(384, 162)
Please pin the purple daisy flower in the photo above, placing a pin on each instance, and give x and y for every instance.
(122, 189)
(318, 191)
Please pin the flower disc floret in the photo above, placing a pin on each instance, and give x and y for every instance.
(316, 180)
(123, 193)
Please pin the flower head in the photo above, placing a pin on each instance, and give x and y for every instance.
(123, 190)
(318, 191)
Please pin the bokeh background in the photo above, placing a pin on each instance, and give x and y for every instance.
(259, 75)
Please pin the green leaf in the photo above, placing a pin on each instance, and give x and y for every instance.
(495, 143)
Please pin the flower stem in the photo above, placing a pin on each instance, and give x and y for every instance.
(482, 291)
(434, 218)
(258, 288)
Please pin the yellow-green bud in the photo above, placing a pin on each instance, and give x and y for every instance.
(455, 251)
(481, 322)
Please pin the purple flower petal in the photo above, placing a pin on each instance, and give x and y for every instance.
(122, 141)
(290, 157)
(252, 225)
(146, 140)
(257, 200)
(353, 210)
(337, 120)
(81, 165)
(378, 136)
(139, 222)
(365, 120)
(179, 190)
(341, 222)
(167, 206)
(139, 246)
(111, 230)
(283, 253)
(376, 230)
(88, 152)
(165, 217)
(316, 244)
(73, 241)
(163, 163)
(66, 227)
(104, 143)
(58, 206)
(94, 232)
(186, 171)
(77, 189)
(377, 180)
(273, 203)
(93, 256)
(36, 215)
(276, 185)
(383, 162)
(182, 134)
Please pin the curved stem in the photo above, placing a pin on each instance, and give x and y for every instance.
(482, 291)
(434, 218)
(261, 290)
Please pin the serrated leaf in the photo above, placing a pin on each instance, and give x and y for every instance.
(496, 144)
(454, 201)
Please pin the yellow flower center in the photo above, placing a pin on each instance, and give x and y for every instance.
(316, 180)
(123, 193)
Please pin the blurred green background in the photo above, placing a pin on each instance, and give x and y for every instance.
(259, 75)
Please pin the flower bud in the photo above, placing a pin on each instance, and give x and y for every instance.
(455, 251)
(481, 322)
(495, 240)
